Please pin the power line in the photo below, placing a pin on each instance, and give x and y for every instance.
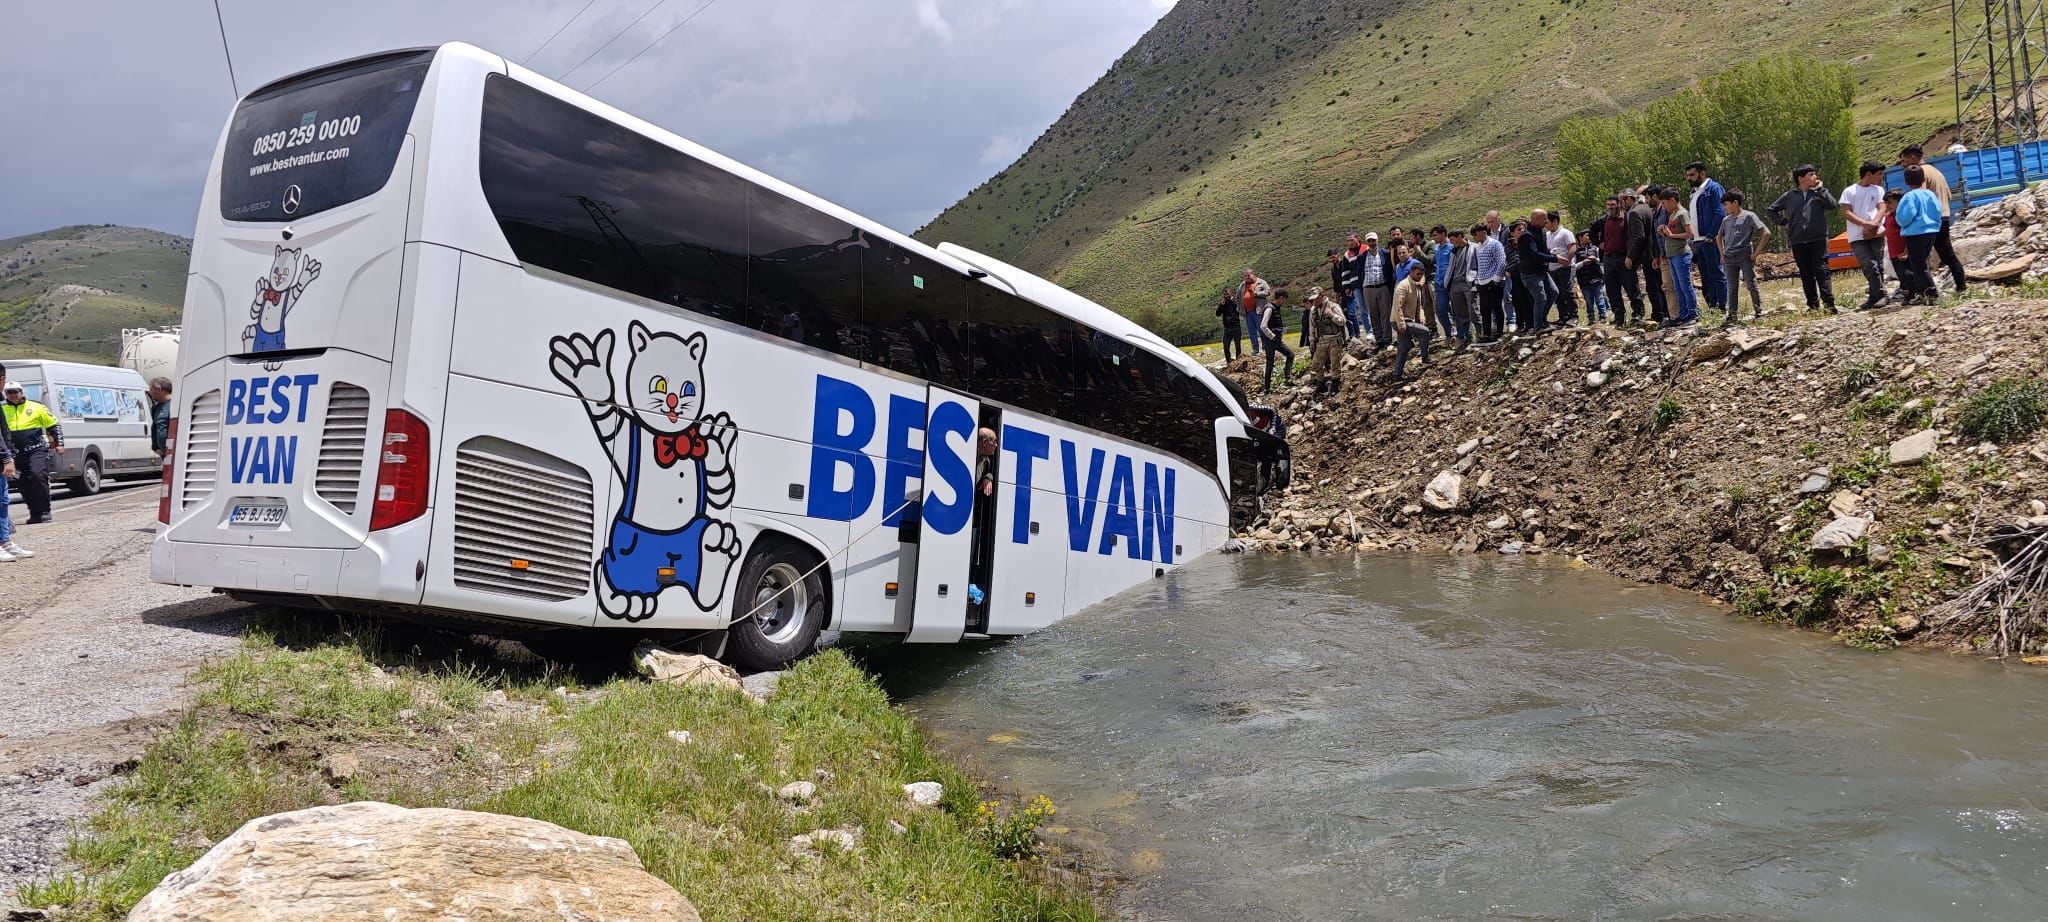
(600, 50)
(650, 45)
(222, 23)
(558, 32)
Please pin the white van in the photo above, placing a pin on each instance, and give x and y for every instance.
(105, 415)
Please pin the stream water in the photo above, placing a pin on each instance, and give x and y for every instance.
(1304, 737)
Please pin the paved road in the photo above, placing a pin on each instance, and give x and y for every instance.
(93, 658)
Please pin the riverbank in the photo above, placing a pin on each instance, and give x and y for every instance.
(1844, 473)
(701, 782)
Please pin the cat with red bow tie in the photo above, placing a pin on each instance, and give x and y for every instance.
(673, 462)
(276, 292)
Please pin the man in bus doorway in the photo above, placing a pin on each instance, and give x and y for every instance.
(37, 441)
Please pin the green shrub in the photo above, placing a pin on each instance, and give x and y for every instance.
(2008, 410)
(1858, 375)
(1012, 834)
(1865, 469)
(1872, 637)
(1880, 405)
(1669, 411)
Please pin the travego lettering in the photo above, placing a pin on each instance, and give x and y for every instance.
(266, 401)
(1113, 502)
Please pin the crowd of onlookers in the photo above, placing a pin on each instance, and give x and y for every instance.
(1655, 254)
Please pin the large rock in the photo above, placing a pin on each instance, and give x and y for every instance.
(1445, 493)
(1973, 250)
(1915, 448)
(374, 861)
(1999, 272)
(1840, 534)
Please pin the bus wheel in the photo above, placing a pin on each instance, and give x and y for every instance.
(87, 482)
(779, 607)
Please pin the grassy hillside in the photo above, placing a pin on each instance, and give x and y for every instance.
(1255, 132)
(67, 293)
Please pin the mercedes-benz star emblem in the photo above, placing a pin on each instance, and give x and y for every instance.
(291, 199)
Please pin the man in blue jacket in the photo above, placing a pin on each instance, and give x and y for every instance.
(1706, 251)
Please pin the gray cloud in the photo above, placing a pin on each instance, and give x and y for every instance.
(894, 108)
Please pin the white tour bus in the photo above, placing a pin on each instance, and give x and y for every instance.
(463, 343)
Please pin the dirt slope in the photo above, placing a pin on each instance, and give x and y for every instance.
(1706, 495)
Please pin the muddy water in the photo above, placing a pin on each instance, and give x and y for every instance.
(1451, 738)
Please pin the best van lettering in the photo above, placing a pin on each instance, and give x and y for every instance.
(260, 401)
(1136, 517)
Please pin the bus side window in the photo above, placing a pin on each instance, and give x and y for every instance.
(804, 275)
(587, 197)
(913, 308)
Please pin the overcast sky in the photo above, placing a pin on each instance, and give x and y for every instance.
(894, 108)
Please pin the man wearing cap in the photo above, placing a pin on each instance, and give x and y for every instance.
(35, 453)
(1328, 326)
(1376, 280)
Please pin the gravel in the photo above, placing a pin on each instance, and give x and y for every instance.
(94, 658)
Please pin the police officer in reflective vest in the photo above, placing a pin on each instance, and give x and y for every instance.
(38, 440)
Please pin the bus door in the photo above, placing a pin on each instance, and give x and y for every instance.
(945, 543)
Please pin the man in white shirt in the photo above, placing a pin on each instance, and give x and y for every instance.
(1565, 246)
(1863, 211)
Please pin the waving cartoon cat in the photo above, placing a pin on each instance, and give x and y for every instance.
(675, 465)
(276, 292)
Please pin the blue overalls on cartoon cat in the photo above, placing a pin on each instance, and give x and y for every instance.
(276, 293)
(673, 466)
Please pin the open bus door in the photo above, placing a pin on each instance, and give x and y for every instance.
(945, 542)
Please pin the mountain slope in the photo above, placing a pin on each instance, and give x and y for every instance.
(67, 293)
(1256, 132)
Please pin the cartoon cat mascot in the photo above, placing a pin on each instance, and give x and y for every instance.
(675, 465)
(276, 292)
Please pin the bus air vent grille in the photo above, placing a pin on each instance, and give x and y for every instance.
(531, 508)
(201, 450)
(339, 477)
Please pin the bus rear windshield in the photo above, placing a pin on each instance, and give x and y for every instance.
(321, 141)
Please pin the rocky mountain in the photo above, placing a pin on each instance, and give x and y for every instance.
(67, 293)
(1255, 132)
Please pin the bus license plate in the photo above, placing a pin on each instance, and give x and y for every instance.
(259, 514)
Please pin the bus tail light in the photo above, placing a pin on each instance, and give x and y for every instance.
(163, 495)
(403, 471)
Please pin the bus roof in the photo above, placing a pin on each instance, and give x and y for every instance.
(967, 262)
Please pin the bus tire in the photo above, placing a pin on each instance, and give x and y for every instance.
(89, 478)
(778, 607)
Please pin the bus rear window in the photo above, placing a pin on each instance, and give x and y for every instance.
(320, 141)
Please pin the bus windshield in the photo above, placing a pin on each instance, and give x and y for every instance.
(319, 141)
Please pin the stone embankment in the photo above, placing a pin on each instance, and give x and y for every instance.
(1811, 470)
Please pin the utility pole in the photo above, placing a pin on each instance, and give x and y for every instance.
(2000, 50)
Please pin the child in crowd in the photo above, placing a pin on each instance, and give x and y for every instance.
(1742, 236)
(1591, 282)
(1895, 246)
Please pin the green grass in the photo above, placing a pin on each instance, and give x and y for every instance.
(701, 815)
(2009, 410)
(1257, 134)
